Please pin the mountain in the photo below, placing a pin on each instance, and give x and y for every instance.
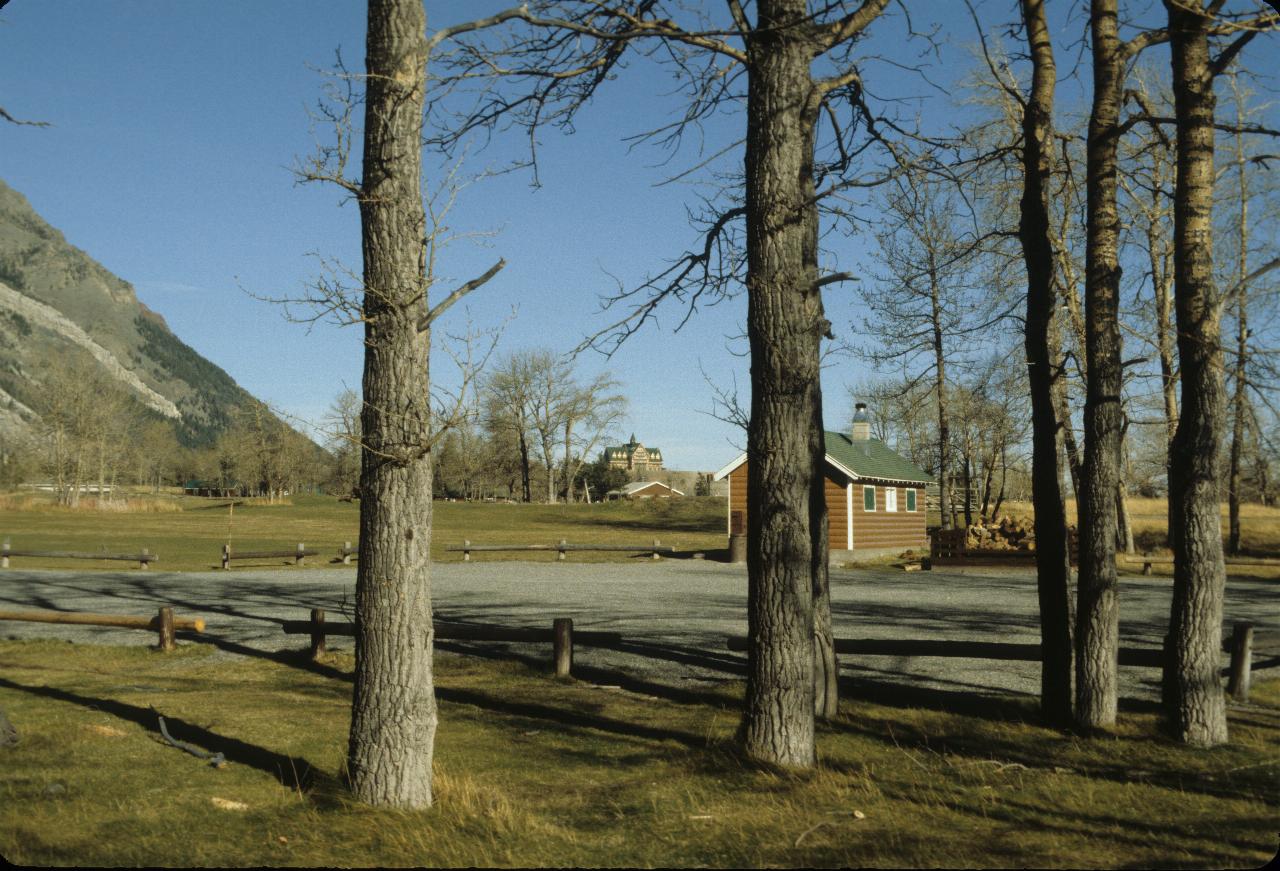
(57, 302)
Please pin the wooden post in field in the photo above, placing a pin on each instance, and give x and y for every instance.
(1241, 661)
(317, 633)
(562, 547)
(655, 549)
(226, 556)
(466, 550)
(297, 560)
(166, 629)
(562, 632)
(346, 555)
(4, 555)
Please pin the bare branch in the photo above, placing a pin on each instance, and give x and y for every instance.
(426, 320)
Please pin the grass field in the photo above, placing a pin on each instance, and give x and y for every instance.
(188, 533)
(536, 772)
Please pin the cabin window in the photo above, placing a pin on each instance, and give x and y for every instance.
(911, 500)
(890, 498)
(868, 498)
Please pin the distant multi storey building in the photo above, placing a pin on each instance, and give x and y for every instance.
(633, 457)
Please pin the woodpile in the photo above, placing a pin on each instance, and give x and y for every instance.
(1006, 533)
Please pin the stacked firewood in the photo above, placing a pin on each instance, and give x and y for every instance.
(1006, 533)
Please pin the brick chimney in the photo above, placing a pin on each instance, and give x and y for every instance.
(861, 423)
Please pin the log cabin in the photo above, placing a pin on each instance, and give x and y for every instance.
(875, 496)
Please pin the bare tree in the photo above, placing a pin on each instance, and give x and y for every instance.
(590, 411)
(393, 717)
(566, 58)
(1098, 611)
(1193, 691)
(1053, 567)
(342, 428)
(924, 307)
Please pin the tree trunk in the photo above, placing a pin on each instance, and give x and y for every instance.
(1004, 476)
(524, 468)
(1240, 400)
(968, 490)
(826, 668)
(1194, 697)
(1162, 287)
(944, 422)
(784, 323)
(1124, 528)
(393, 714)
(1098, 617)
(1053, 567)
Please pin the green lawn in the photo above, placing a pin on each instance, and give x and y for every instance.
(190, 532)
(537, 772)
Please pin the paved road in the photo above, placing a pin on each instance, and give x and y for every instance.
(673, 615)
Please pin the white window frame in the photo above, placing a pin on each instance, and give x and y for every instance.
(891, 499)
(912, 496)
(865, 488)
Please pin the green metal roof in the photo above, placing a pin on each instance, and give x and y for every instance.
(872, 459)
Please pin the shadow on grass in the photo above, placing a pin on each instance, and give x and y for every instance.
(968, 738)
(293, 772)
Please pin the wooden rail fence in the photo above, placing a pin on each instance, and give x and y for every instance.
(561, 635)
(143, 559)
(164, 623)
(1149, 560)
(563, 547)
(299, 554)
(1240, 646)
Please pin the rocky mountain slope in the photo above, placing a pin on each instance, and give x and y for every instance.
(58, 303)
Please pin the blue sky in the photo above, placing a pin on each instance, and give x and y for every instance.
(174, 127)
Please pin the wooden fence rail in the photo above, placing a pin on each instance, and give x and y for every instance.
(1240, 646)
(164, 623)
(1148, 560)
(143, 559)
(563, 547)
(299, 554)
(561, 635)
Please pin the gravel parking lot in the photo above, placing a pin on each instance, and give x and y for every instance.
(673, 615)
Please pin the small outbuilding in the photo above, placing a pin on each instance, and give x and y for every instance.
(875, 496)
(644, 490)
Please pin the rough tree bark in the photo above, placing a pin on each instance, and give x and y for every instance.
(1194, 697)
(1053, 566)
(1098, 614)
(784, 325)
(393, 715)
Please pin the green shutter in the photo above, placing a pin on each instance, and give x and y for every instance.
(868, 498)
(911, 500)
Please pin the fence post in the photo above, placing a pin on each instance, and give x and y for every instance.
(297, 560)
(226, 556)
(346, 554)
(1241, 661)
(4, 555)
(562, 630)
(317, 633)
(655, 549)
(466, 550)
(166, 629)
(562, 546)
